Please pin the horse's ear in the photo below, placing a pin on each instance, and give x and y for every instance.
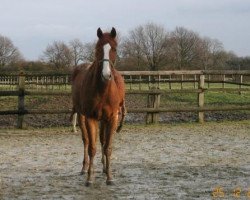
(99, 33)
(113, 32)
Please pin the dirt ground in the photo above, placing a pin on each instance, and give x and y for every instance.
(183, 161)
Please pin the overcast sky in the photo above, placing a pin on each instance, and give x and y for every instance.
(33, 24)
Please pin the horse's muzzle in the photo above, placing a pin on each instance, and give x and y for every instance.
(106, 77)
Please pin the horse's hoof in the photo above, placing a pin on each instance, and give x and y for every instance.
(89, 183)
(110, 182)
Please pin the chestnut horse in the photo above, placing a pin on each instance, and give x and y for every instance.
(98, 95)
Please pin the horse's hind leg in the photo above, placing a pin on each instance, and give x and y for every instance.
(82, 125)
(123, 113)
(74, 118)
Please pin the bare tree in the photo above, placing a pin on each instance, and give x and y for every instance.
(58, 54)
(9, 54)
(147, 43)
(210, 49)
(131, 53)
(89, 51)
(184, 48)
(77, 50)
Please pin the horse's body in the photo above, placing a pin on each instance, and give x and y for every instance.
(98, 95)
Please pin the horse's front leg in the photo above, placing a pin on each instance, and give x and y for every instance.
(91, 125)
(102, 140)
(85, 140)
(111, 129)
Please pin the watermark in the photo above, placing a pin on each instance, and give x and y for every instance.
(237, 192)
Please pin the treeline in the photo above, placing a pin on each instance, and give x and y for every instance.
(146, 47)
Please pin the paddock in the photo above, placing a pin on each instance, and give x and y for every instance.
(171, 161)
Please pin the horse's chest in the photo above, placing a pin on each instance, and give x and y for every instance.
(102, 107)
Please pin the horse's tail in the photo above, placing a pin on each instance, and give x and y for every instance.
(123, 113)
(71, 115)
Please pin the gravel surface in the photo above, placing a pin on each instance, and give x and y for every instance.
(184, 161)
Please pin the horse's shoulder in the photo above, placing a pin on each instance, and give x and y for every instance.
(117, 75)
(118, 79)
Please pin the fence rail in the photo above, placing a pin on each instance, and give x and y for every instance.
(158, 83)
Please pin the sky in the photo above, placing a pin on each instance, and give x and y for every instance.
(33, 24)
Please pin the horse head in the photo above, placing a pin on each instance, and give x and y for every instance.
(106, 52)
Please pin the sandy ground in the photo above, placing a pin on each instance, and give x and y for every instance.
(184, 161)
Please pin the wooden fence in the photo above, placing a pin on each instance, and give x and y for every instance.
(154, 84)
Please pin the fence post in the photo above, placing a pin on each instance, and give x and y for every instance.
(194, 81)
(182, 78)
(140, 82)
(21, 89)
(241, 81)
(170, 86)
(130, 82)
(201, 98)
(224, 79)
(153, 102)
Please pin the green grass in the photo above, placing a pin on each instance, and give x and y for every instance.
(211, 97)
(227, 98)
(164, 86)
(174, 99)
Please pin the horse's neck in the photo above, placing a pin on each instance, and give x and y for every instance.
(95, 78)
(93, 72)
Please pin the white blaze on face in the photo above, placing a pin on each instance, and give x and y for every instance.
(106, 72)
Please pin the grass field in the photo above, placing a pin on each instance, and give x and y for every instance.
(211, 98)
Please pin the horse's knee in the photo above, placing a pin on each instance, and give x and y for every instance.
(92, 151)
(108, 151)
